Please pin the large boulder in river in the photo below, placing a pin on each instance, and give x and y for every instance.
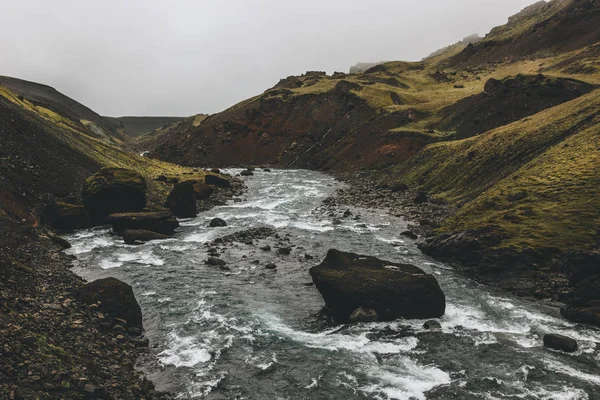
(115, 298)
(217, 181)
(67, 217)
(560, 342)
(156, 221)
(182, 200)
(137, 236)
(349, 281)
(114, 190)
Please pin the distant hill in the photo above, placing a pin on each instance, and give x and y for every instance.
(138, 126)
(361, 67)
(454, 48)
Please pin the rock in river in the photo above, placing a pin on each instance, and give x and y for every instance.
(349, 281)
(116, 298)
(217, 222)
(131, 236)
(156, 221)
(560, 342)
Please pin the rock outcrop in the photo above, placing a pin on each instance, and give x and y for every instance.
(349, 281)
(66, 217)
(583, 302)
(114, 190)
(217, 181)
(114, 298)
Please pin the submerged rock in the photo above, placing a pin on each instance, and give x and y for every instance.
(432, 325)
(560, 342)
(246, 173)
(217, 222)
(114, 190)
(131, 236)
(349, 281)
(182, 200)
(363, 314)
(115, 298)
(217, 262)
(156, 221)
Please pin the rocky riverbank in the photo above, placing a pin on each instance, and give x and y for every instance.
(562, 280)
(54, 341)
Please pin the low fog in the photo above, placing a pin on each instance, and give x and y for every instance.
(184, 57)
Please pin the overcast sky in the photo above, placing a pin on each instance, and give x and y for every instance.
(182, 57)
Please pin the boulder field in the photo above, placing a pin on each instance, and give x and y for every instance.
(359, 286)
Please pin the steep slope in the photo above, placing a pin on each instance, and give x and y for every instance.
(50, 103)
(138, 126)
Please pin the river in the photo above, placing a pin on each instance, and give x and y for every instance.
(247, 332)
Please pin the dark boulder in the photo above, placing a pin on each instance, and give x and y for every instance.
(349, 281)
(399, 187)
(421, 198)
(582, 303)
(215, 170)
(156, 221)
(217, 181)
(202, 190)
(182, 200)
(62, 243)
(131, 236)
(217, 222)
(115, 298)
(113, 190)
(363, 314)
(246, 173)
(66, 217)
(432, 325)
(271, 266)
(284, 251)
(560, 342)
(409, 234)
(217, 262)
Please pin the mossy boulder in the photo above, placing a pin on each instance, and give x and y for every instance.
(350, 281)
(115, 298)
(67, 217)
(114, 190)
(156, 221)
(182, 200)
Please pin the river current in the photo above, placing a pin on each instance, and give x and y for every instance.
(252, 333)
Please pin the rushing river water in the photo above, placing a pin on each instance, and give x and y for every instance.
(253, 333)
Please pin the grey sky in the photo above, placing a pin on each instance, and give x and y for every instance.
(182, 57)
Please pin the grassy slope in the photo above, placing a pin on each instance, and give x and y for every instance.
(552, 157)
(84, 151)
